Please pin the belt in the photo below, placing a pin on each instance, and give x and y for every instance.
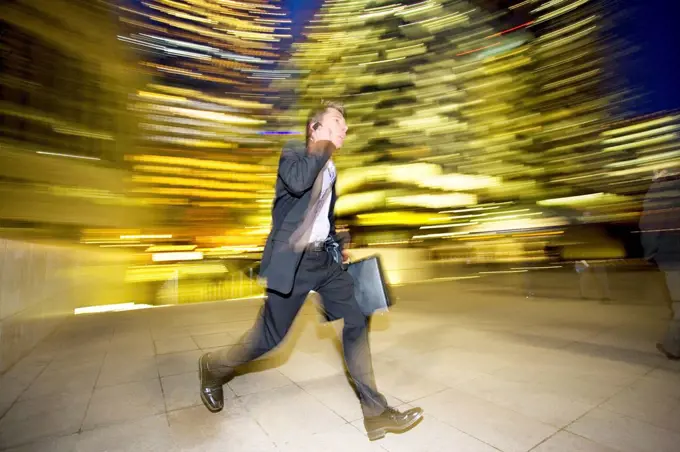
(317, 246)
(329, 245)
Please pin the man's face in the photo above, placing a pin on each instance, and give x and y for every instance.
(335, 122)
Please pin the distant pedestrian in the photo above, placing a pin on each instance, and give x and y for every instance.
(660, 230)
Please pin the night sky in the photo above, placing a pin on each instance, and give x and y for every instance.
(301, 12)
(651, 26)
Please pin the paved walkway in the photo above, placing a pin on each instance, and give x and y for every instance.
(492, 372)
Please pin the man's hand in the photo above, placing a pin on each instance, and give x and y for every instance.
(324, 133)
(345, 256)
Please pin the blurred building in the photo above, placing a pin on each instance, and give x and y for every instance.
(65, 127)
(205, 146)
(411, 76)
(439, 103)
(65, 131)
(577, 91)
(632, 150)
(644, 145)
(468, 119)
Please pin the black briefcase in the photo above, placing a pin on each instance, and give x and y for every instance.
(370, 285)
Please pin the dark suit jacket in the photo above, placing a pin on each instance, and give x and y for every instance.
(298, 187)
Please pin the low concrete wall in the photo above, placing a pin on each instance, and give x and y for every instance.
(40, 285)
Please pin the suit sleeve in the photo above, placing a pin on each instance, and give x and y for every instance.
(298, 171)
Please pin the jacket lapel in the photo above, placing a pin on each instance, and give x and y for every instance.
(331, 209)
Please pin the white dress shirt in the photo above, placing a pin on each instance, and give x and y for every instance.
(322, 226)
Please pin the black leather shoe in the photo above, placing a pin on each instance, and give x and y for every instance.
(212, 394)
(666, 353)
(392, 421)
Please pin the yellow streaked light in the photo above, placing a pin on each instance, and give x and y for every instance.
(167, 248)
(146, 236)
(641, 126)
(434, 201)
(177, 256)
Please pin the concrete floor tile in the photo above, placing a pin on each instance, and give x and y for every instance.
(673, 366)
(26, 370)
(131, 347)
(627, 364)
(131, 334)
(624, 433)
(336, 393)
(341, 439)
(181, 391)
(432, 435)
(647, 401)
(56, 444)
(175, 344)
(115, 404)
(149, 434)
(661, 381)
(165, 332)
(487, 372)
(407, 385)
(490, 423)
(302, 367)
(572, 379)
(254, 382)
(74, 359)
(33, 419)
(64, 378)
(568, 442)
(239, 328)
(288, 412)
(197, 430)
(117, 371)
(178, 363)
(549, 407)
(12, 388)
(566, 333)
(214, 340)
(453, 366)
(211, 328)
(328, 352)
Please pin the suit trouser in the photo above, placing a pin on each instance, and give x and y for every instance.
(671, 341)
(318, 272)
